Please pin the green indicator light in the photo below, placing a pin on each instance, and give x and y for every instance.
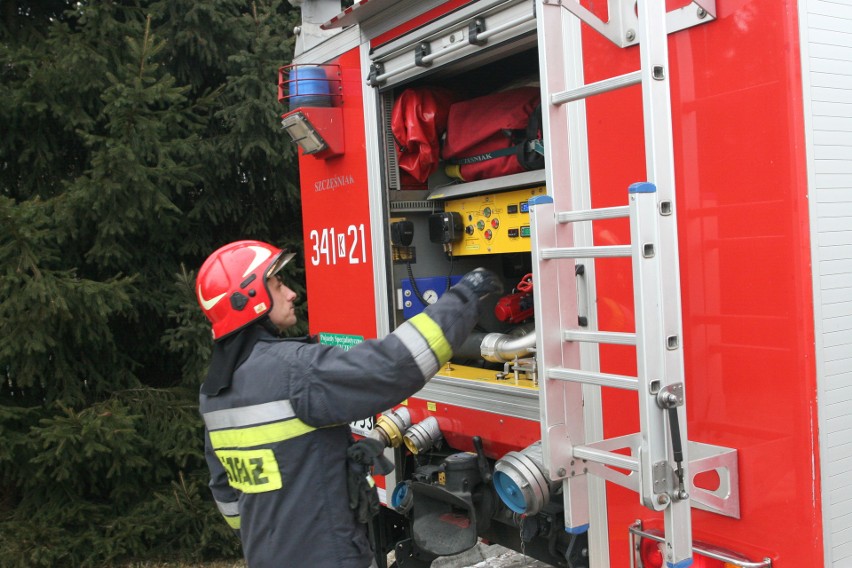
(525, 231)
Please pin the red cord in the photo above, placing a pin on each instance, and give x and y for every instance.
(526, 284)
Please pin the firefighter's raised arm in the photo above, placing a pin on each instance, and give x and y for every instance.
(337, 386)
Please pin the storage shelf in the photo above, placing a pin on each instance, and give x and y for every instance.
(524, 179)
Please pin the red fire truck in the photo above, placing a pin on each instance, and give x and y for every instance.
(666, 189)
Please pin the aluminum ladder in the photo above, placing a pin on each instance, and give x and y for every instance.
(569, 379)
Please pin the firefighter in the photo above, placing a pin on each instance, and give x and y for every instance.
(276, 409)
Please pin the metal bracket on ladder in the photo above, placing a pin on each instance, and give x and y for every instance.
(604, 459)
(622, 25)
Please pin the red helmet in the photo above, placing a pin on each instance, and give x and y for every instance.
(231, 284)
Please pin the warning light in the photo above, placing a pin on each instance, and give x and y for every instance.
(652, 556)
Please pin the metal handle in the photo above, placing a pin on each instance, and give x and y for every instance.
(582, 296)
(481, 460)
(702, 549)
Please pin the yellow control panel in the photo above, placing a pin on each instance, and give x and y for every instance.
(494, 223)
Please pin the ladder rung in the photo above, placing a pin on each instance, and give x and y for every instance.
(586, 252)
(593, 378)
(606, 458)
(593, 214)
(597, 88)
(611, 337)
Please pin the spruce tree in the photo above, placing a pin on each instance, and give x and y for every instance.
(138, 136)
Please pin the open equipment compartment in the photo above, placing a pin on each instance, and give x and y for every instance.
(427, 220)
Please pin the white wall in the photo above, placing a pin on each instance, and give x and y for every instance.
(826, 43)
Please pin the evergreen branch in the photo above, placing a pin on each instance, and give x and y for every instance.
(145, 44)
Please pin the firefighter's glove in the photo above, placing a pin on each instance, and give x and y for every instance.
(370, 452)
(363, 495)
(482, 282)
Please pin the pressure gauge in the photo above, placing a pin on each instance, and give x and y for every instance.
(430, 296)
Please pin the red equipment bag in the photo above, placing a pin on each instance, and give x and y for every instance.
(418, 121)
(494, 135)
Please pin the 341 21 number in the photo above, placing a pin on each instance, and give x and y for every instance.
(328, 245)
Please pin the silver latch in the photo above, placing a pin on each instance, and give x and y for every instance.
(670, 396)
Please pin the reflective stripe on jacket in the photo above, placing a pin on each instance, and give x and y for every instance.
(276, 440)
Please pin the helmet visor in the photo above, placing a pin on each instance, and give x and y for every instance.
(279, 264)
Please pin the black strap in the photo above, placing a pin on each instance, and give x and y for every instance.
(530, 158)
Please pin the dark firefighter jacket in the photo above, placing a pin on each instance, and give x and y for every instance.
(276, 439)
